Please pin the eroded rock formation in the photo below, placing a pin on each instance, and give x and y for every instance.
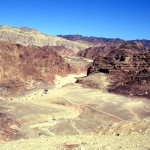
(103, 49)
(128, 65)
(25, 67)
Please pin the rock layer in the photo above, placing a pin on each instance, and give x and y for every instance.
(103, 49)
(129, 67)
(26, 36)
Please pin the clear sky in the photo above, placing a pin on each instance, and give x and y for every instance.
(127, 19)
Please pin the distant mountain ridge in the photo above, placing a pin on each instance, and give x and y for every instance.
(91, 39)
(101, 40)
(28, 36)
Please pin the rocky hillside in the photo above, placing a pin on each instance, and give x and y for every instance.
(92, 52)
(63, 51)
(103, 49)
(146, 43)
(25, 67)
(128, 65)
(100, 40)
(26, 36)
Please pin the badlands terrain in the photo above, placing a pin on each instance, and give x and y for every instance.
(72, 92)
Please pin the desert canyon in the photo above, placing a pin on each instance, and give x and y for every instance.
(73, 92)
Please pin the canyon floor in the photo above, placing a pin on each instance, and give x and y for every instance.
(72, 116)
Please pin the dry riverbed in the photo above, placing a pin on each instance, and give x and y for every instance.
(73, 117)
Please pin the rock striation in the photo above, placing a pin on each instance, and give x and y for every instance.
(27, 36)
(103, 49)
(128, 64)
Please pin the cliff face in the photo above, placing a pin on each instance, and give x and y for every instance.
(26, 36)
(128, 65)
(25, 67)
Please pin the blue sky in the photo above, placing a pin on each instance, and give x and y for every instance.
(127, 19)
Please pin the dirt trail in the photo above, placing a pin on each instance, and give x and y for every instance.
(86, 106)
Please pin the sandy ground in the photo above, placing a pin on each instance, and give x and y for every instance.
(62, 81)
(67, 115)
(81, 142)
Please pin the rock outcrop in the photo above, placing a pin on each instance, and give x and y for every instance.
(26, 36)
(25, 67)
(128, 65)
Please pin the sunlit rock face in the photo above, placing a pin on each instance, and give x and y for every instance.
(25, 67)
(129, 66)
(26, 36)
